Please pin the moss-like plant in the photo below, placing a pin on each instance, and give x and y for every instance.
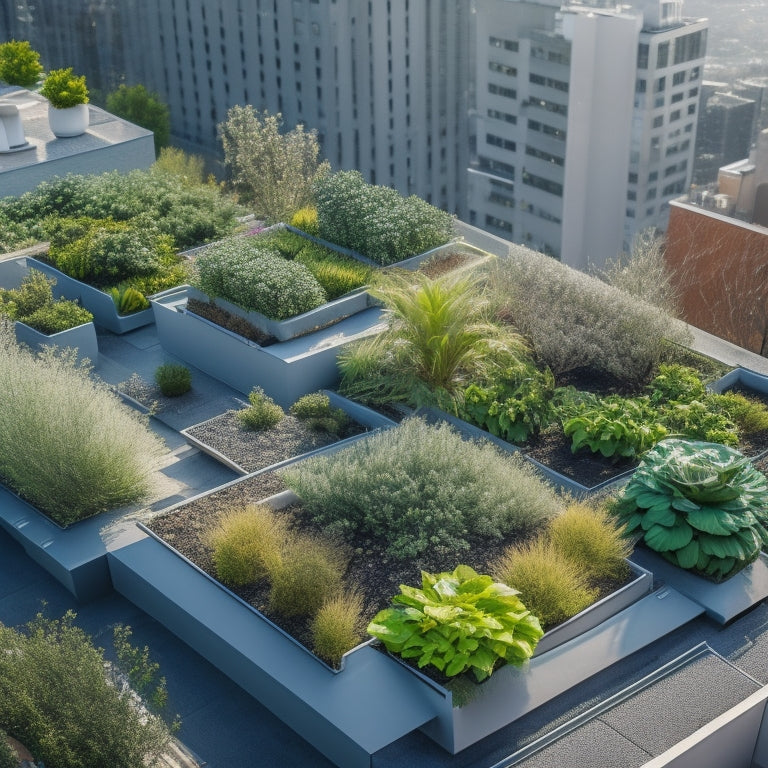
(702, 506)
(458, 622)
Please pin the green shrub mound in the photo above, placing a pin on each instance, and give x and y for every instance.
(418, 487)
(8, 757)
(316, 412)
(262, 413)
(702, 506)
(58, 698)
(190, 213)
(19, 65)
(377, 221)
(458, 622)
(242, 270)
(32, 303)
(173, 379)
(595, 326)
(69, 445)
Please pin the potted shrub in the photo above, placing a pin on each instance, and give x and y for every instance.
(68, 107)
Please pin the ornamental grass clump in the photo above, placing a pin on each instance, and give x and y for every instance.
(69, 446)
(701, 506)
(337, 626)
(418, 487)
(458, 622)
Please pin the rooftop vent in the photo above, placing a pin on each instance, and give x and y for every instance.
(11, 131)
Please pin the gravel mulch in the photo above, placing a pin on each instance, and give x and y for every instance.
(253, 450)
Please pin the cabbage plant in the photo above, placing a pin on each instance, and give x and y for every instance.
(701, 506)
(458, 622)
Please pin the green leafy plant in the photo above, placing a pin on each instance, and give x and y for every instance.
(676, 383)
(515, 408)
(64, 89)
(58, 316)
(617, 427)
(8, 756)
(263, 412)
(337, 274)
(699, 420)
(377, 221)
(127, 299)
(305, 219)
(315, 409)
(702, 506)
(173, 379)
(418, 488)
(337, 626)
(19, 64)
(458, 622)
(552, 586)
(58, 697)
(748, 413)
(145, 108)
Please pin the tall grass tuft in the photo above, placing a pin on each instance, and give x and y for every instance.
(418, 487)
(337, 627)
(310, 572)
(247, 544)
(552, 586)
(589, 537)
(68, 444)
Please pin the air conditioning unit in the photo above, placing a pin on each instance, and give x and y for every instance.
(724, 204)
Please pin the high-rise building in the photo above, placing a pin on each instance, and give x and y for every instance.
(563, 124)
(584, 121)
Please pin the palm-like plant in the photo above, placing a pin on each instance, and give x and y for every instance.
(439, 339)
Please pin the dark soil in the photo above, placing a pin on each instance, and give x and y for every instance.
(255, 449)
(229, 321)
(445, 262)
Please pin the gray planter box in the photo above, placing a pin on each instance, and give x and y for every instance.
(738, 739)
(722, 602)
(284, 330)
(97, 302)
(82, 338)
(741, 377)
(364, 416)
(285, 370)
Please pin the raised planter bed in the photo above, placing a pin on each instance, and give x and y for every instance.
(82, 338)
(249, 444)
(98, 303)
(285, 371)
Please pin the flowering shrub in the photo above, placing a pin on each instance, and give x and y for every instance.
(377, 221)
(243, 271)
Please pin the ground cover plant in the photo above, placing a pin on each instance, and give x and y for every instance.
(32, 303)
(702, 506)
(69, 446)
(377, 221)
(190, 214)
(67, 707)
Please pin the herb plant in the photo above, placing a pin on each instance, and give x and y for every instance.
(262, 413)
(458, 622)
(702, 506)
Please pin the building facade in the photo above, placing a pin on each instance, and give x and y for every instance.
(584, 122)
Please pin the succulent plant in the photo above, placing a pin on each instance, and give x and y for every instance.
(701, 506)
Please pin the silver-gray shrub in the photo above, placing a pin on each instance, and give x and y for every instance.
(246, 272)
(573, 319)
(68, 444)
(418, 487)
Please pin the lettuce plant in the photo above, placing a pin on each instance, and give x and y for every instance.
(458, 622)
(701, 506)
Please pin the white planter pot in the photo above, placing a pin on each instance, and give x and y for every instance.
(72, 121)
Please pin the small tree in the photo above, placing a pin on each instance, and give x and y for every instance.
(143, 107)
(19, 64)
(273, 171)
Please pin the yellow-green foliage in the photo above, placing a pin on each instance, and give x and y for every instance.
(552, 587)
(310, 573)
(247, 544)
(589, 537)
(263, 412)
(305, 219)
(336, 627)
(749, 414)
